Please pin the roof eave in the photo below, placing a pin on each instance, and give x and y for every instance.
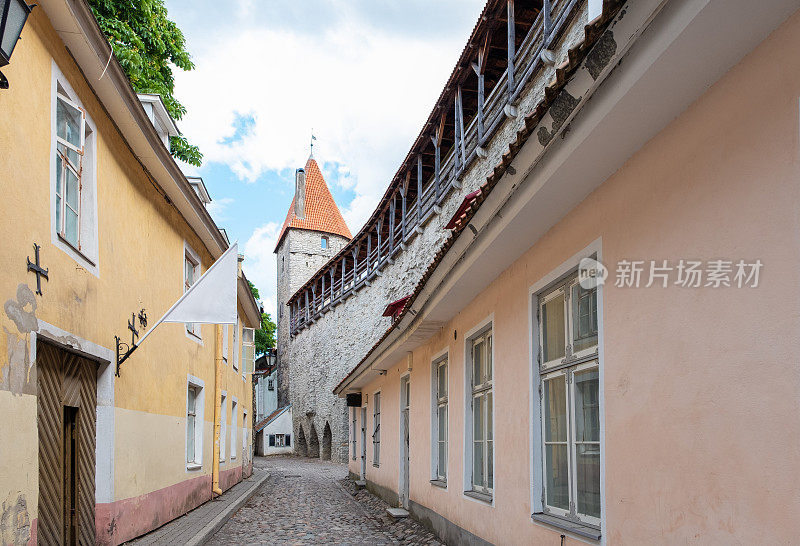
(78, 29)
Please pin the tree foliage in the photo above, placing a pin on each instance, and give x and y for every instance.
(147, 44)
(265, 336)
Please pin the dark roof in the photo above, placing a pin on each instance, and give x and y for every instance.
(576, 55)
(271, 417)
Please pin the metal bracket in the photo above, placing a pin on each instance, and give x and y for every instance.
(122, 357)
(124, 351)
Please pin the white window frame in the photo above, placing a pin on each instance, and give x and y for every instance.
(586, 359)
(439, 401)
(245, 437)
(223, 426)
(193, 330)
(86, 249)
(563, 289)
(199, 422)
(565, 367)
(234, 408)
(376, 429)
(248, 349)
(485, 332)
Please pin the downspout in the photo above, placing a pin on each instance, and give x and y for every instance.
(215, 490)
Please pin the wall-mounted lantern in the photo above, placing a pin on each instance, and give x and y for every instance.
(13, 14)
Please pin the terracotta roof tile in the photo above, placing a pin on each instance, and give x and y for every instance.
(322, 214)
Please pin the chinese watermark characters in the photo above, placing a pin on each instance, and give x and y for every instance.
(688, 274)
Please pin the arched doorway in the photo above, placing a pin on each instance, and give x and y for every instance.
(313, 442)
(301, 447)
(326, 442)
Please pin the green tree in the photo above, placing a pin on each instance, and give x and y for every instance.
(147, 44)
(265, 336)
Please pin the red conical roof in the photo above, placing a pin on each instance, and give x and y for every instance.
(322, 214)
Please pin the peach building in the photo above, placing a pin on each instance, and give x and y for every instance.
(519, 395)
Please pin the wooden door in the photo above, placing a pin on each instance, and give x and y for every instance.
(67, 406)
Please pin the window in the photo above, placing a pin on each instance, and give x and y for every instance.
(191, 272)
(73, 179)
(194, 423)
(324, 242)
(191, 424)
(223, 429)
(353, 434)
(280, 440)
(244, 434)
(234, 447)
(376, 432)
(71, 139)
(570, 406)
(270, 384)
(248, 349)
(439, 420)
(482, 419)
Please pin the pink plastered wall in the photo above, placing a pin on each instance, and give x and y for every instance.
(701, 386)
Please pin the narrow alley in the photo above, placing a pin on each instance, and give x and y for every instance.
(309, 501)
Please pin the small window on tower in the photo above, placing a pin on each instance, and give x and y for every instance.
(324, 243)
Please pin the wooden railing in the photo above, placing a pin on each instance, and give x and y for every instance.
(333, 286)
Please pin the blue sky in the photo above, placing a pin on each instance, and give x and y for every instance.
(362, 74)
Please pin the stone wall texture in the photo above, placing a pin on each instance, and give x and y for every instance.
(299, 256)
(321, 355)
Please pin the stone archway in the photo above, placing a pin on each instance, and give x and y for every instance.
(301, 447)
(313, 442)
(326, 442)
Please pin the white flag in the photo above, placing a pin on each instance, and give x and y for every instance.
(210, 300)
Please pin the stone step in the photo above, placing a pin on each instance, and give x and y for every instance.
(397, 513)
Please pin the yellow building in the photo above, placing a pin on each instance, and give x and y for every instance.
(91, 194)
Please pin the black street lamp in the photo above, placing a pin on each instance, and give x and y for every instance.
(13, 14)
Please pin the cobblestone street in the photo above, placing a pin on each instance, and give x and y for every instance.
(308, 501)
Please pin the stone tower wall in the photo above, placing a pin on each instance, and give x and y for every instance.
(300, 256)
(334, 344)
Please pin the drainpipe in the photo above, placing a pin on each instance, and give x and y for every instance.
(215, 489)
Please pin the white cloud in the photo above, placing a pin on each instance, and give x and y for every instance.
(217, 207)
(260, 265)
(365, 93)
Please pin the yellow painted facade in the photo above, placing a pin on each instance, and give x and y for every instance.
(139, 264)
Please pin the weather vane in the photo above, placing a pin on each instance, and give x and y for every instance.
(313, 138)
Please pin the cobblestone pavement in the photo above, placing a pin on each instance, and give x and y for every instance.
(308, 501)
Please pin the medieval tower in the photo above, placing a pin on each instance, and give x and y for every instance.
(314, 231)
